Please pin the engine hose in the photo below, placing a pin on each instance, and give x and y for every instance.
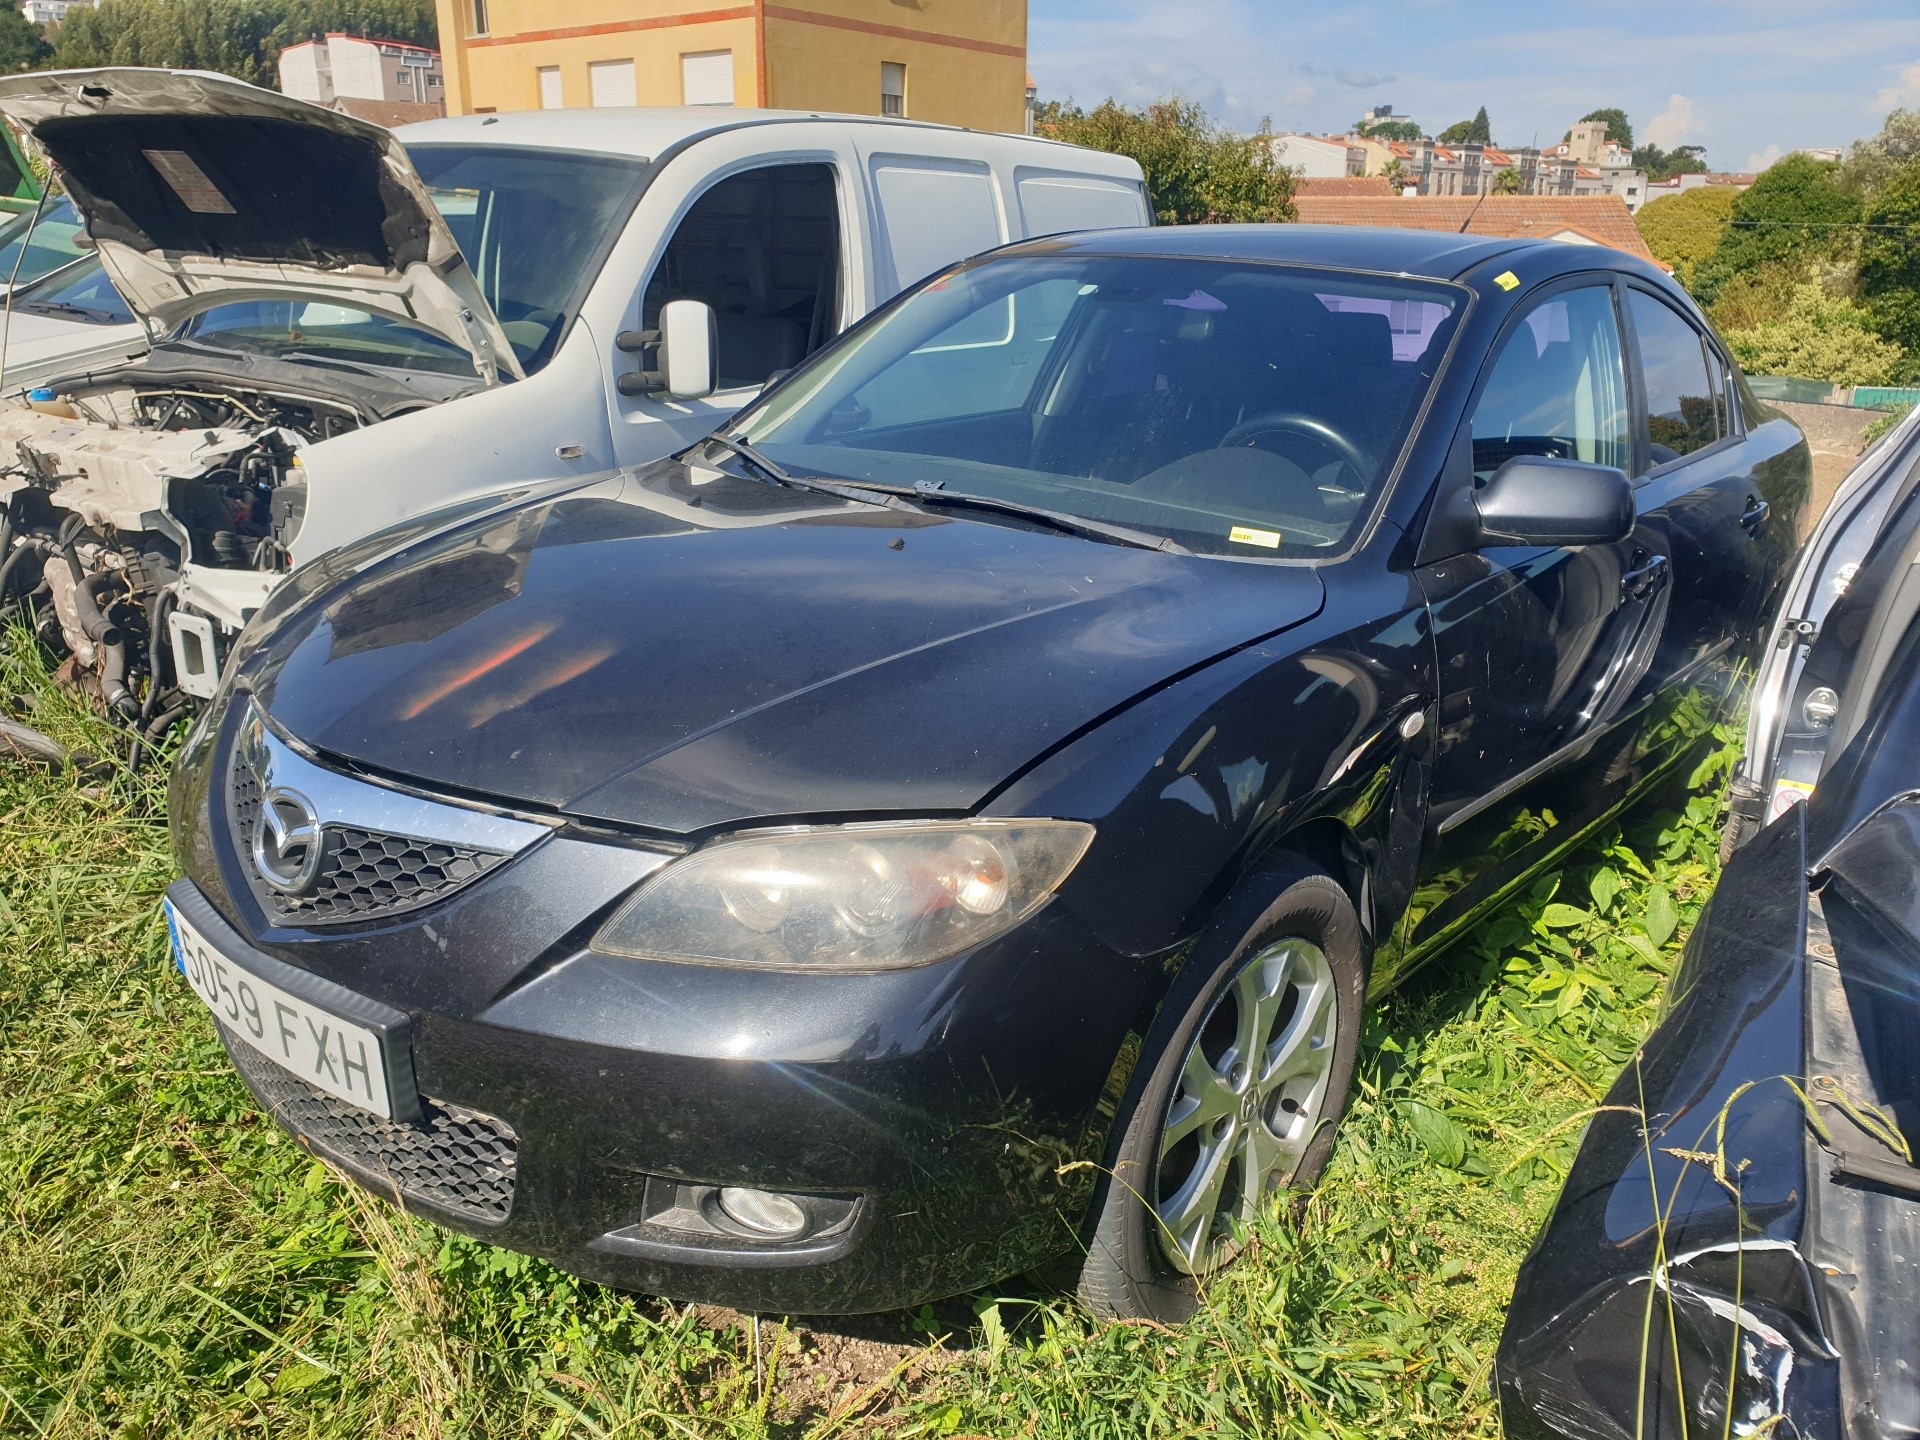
(156, 630)
(93, 621)
(113, 680)
(150, 736)
(20, 552)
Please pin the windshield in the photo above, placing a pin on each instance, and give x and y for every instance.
(1237, 409)
(81, 292)
(534, 226)
(51, 244)
(322, 330)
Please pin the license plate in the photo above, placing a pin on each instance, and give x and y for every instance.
(331, 1054)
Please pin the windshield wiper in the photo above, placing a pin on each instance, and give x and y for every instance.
(936, 494)
(860, 494)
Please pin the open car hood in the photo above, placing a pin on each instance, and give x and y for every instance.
(201, 190)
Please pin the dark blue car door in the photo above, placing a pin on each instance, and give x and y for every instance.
(1547, 657)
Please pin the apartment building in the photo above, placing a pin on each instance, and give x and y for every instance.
(957, 62)
(353, 67)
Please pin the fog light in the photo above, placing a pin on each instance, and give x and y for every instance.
(774, 1216)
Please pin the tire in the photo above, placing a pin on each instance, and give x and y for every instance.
(1286, 950)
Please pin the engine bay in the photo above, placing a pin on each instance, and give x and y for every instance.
(110, 488)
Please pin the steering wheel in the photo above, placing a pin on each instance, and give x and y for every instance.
(1309, 426)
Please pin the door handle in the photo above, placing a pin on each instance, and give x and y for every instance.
(1755, 515)
(1647, 578)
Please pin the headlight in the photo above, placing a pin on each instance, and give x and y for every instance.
(848, 897)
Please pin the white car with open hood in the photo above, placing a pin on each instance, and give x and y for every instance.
(346, 328)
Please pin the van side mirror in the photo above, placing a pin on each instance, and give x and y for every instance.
(685, 353)
(1532, 500)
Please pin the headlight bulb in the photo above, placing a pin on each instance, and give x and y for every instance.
(978, 876)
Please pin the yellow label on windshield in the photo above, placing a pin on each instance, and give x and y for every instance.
(1507, 280)
(1242, 535)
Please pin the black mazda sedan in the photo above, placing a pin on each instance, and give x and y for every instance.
(954, 816)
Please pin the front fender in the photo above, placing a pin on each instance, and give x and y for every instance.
(1293, 738)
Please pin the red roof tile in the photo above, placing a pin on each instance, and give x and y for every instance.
(1352, 185)
(1604, 219)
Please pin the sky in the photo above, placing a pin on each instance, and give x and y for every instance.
(1748, 79)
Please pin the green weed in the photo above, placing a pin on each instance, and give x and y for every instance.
(175, 1265)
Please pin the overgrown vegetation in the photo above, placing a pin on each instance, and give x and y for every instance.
(237, 37)
(1684, 230)
(1196, 172)
(1814, 271)
(177, 1266)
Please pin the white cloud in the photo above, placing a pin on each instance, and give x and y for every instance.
(1906, 92)
(1763, 160)
(1673, 126)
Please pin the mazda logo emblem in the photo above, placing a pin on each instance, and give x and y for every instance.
(287, 843)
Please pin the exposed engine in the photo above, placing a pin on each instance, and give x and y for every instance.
(109, 491)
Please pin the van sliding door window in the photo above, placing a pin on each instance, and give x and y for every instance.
(763, 249)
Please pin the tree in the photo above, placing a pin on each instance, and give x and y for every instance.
(1405, 131)
(1196, 173)
(1477, 131)
(1665, 164)
(1508, 182)
(1797, 213)
(1820, 337)
(1618, 126)
(1889, 276)
(1872, 162)
(22, 46)
(242, 38)
(1684, 230)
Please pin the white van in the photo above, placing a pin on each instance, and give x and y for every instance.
(348, 327)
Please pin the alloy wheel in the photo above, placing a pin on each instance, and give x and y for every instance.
(1252, 1091)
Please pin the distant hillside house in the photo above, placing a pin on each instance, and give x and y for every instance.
(1574, 219)
(343, 72)
(51, 12)
(1320, 156)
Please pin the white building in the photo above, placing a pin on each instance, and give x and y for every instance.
(351, 67)
(51, 12)
(1319, 156)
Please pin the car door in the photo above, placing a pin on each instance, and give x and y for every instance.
(1698, 484)
(777, 242)
(1545, 654)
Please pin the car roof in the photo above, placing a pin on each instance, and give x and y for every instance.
(1438, 255)
(650, 131)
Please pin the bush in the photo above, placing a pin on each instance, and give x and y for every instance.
(1196, 173)
(1799, 211)
(1890, 261)
(1821, 337)
(1684, 230)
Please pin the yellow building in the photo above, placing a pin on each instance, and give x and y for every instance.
(960, 62)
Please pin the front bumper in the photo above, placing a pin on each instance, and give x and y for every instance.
(577, 1106)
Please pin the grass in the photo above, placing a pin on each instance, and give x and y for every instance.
(174, 1265)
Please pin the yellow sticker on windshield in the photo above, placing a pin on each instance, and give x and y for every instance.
(1242, 535)
(1507, 280)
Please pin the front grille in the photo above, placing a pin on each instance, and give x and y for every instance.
(364, 874)
(456, 1160)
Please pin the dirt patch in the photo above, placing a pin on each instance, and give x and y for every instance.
(849, 1368)
(1836, 434)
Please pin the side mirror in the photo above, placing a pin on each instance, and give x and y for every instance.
(1532, 500)
(686, 349)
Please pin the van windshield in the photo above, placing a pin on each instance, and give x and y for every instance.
(535, 227)
(1237, 409)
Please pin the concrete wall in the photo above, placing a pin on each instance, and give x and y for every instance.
(965, 59)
